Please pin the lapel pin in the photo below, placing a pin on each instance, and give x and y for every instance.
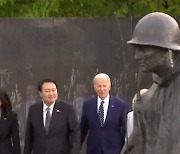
(58, 111)
(112, 106)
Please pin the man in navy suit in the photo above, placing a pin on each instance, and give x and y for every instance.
(52, 127)
(104, 119)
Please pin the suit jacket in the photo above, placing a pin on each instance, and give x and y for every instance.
(111, 137)
(63, 135)
(9, 134)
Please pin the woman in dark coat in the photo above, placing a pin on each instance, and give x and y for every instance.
(9, 129)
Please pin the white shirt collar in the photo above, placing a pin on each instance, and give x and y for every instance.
(106, 100)
(45, 107)
(45, 110)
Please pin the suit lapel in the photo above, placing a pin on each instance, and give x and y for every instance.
(41, 117)
(110, 110)
(95, 111)
(55, 113)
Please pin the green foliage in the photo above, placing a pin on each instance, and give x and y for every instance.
(85, 8)
(142, 7)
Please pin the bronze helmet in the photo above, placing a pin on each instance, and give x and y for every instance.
(157, 29)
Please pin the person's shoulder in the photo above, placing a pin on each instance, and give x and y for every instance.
(117, 99)
(120, 103)
(63, 104)
(35, 106)
(12, 115)
(90, 100)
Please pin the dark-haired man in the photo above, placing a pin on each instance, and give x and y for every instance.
(52, 127)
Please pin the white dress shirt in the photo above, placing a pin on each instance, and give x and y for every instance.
(130, 123)
(105, 105)
(45, 110)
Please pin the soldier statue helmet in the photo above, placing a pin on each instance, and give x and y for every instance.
(157, 29)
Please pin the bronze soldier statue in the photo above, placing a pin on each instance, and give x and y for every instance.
(156, 39)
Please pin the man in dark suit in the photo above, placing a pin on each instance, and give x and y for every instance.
(52, 127)
(104, 119)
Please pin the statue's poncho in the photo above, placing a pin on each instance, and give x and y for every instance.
(157, 117)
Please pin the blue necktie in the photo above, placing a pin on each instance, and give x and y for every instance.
(101, 114)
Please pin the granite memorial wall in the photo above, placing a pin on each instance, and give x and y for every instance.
(70, 50)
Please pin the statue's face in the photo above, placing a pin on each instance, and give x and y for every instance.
(151, 58)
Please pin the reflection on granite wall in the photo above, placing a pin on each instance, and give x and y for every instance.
(70, 50)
